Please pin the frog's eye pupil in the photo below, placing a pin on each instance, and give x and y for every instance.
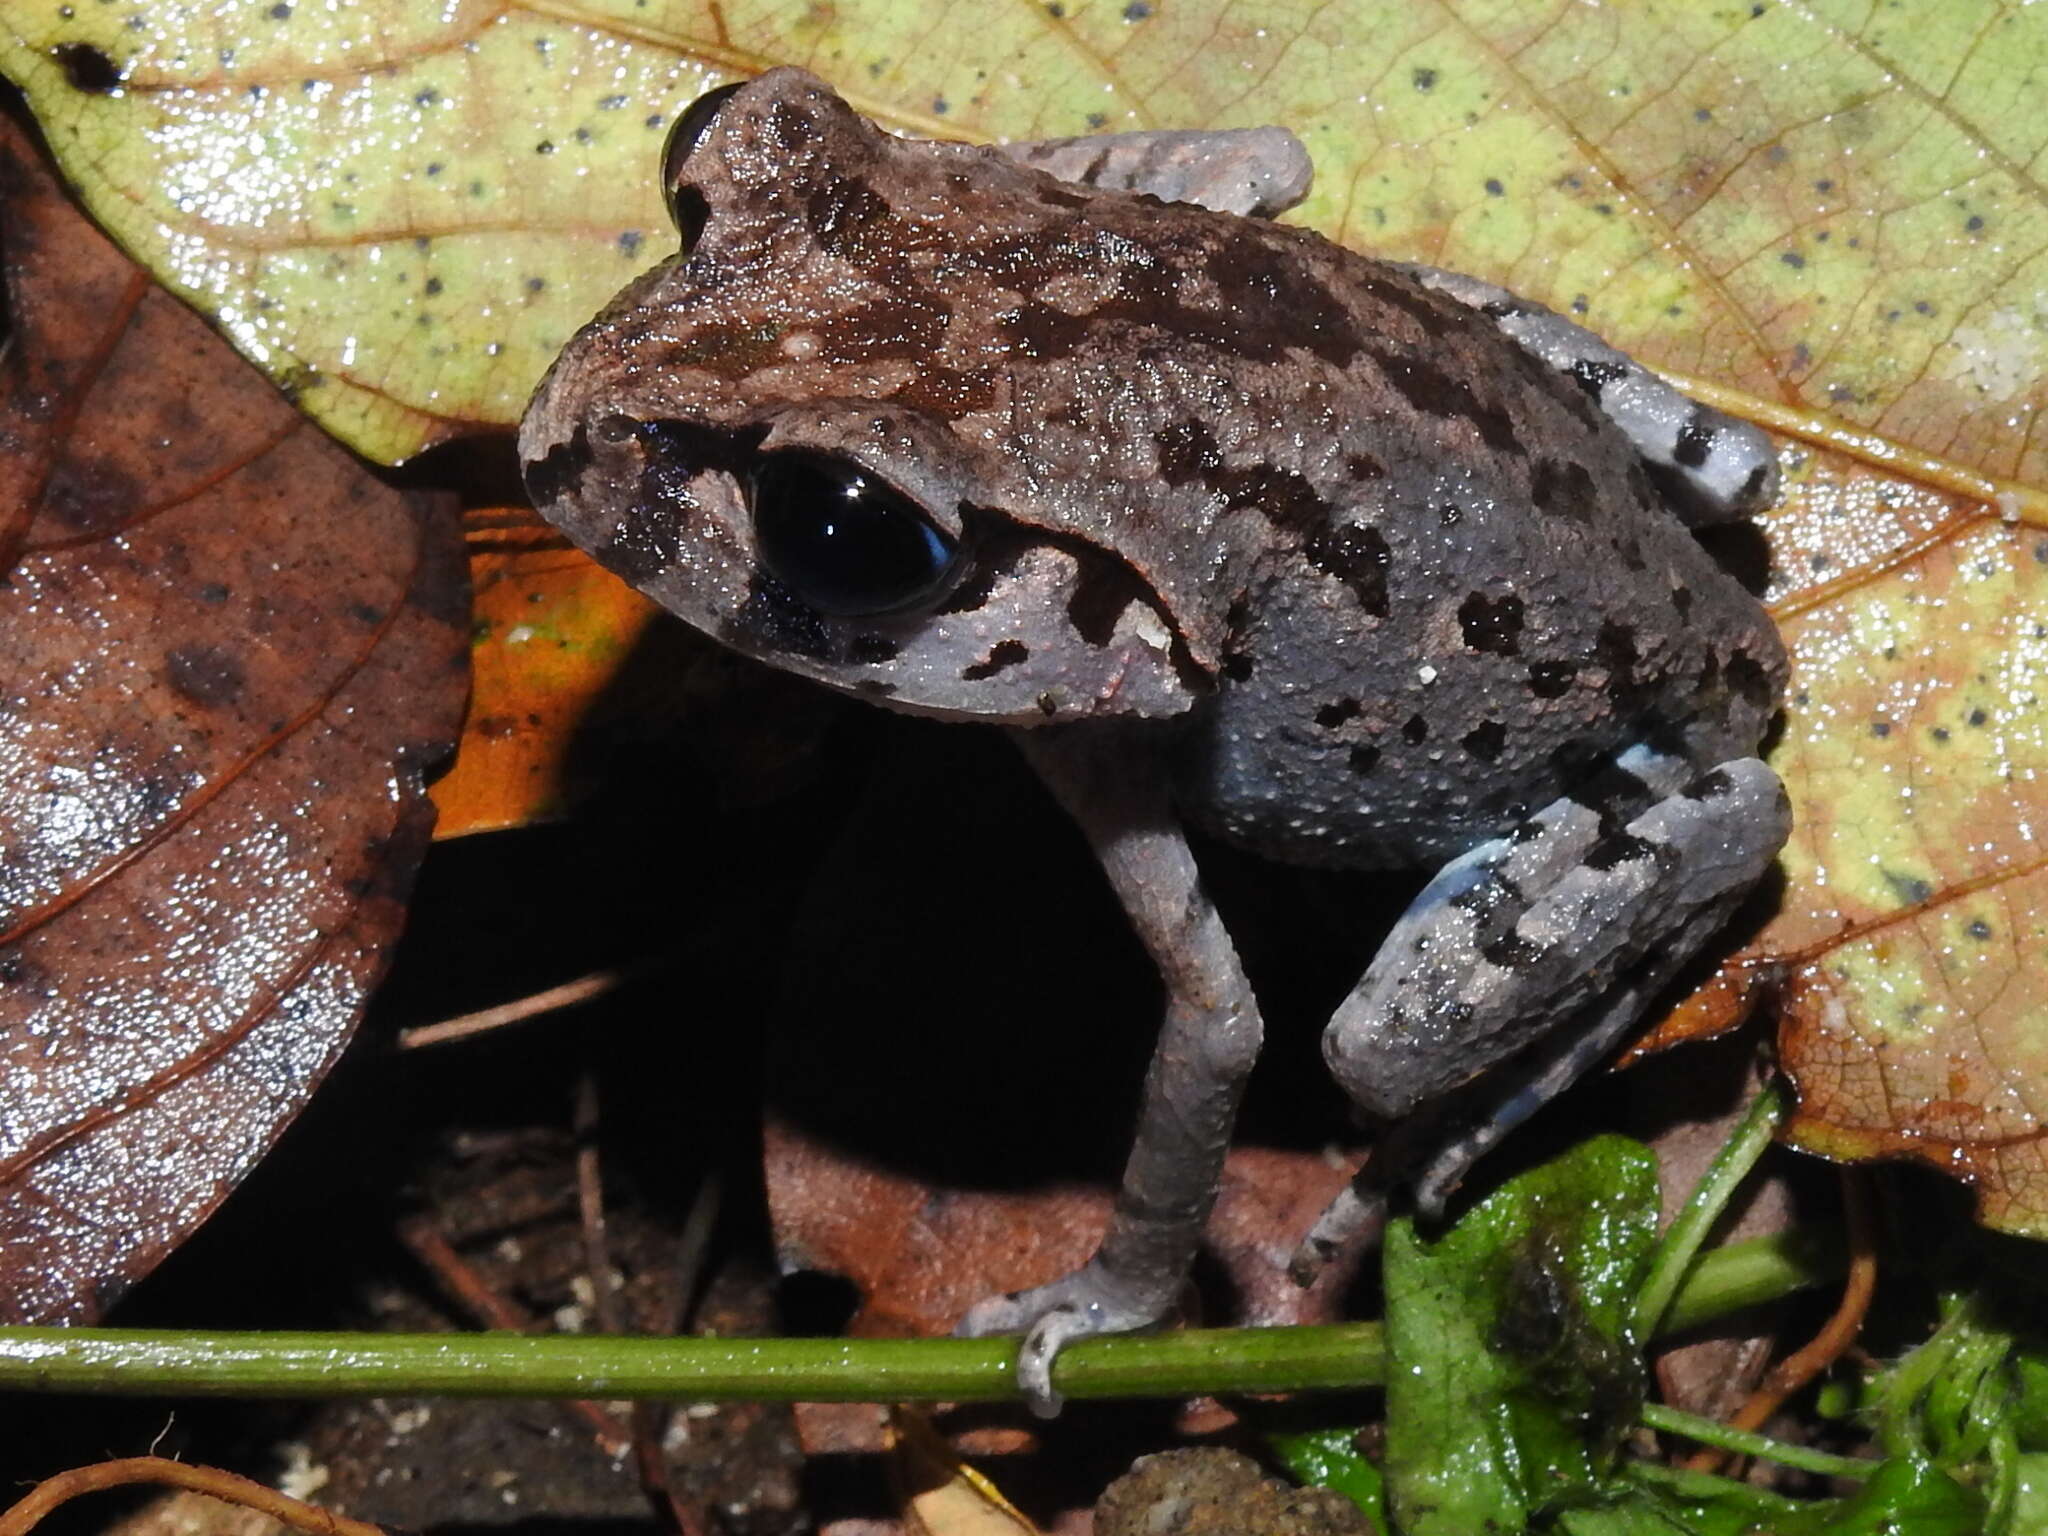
(842, 539)
(686, 204)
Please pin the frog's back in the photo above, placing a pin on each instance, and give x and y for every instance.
(1434, 584)
(1476, 596)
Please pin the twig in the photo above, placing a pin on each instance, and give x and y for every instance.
(649, 1421)
(225, 1486)
(475, 1295)
(465, 1025)
(1835, 1336)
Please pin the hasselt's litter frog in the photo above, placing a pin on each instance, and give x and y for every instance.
(1349, 562)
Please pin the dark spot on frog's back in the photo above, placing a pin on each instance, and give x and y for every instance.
(1492, 624)
(1187, 451)
(790, 125)
(1411, 298)
(1040, 331)
(1751, 680)
(1435, 393)
(950, 392)
(896, 327)
(1485, 741)
(1615, 650)
(1358, 556)
(1276, 300)
(1552, 679)
(205, 674)
(1560, 488)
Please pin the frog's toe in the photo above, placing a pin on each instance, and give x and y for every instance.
(1355, 1219)
(1076, 1306)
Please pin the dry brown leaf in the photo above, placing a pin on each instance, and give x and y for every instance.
(231, 653)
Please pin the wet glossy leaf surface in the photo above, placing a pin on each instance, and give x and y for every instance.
(230, 656)
(1511, 1374)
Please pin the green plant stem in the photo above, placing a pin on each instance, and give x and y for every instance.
(141, 1362)
(1710, 1197)
(1743, 1442)
(699, 1369)
(1752, 1272)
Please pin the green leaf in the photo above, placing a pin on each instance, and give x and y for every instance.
(1331, 1458)
(1906, 1496)
(2030, 1502)
(1512, 1371)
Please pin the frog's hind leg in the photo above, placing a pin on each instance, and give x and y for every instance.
(1722, 469)
(1259, 172)
(1536, 952)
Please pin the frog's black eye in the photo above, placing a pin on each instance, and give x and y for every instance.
(686, 204)
(841, 539)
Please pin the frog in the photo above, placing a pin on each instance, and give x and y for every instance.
(1238, 533)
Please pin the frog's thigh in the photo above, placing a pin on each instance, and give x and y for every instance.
(1256, 171)
(1724, 469)
(1571, 920)
(1112, 786)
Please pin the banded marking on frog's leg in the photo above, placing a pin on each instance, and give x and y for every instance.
(1545, 930)
(1471, 905)
(1208, 1042)
(1562, 1061)
(1259, 172)
(1725, 469)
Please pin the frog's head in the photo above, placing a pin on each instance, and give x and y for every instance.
(786, 436)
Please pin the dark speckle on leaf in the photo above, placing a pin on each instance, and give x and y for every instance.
(86, 68)
(1425, 79)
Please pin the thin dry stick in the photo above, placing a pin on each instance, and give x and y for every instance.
(474, 1295)
(648, 1420)
(1835, 1336)
(225, 1486)
(464, 1025)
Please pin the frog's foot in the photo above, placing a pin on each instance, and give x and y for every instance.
(1538, 951)
(1722, 469)
(1081, 1305)
(1355, 1219)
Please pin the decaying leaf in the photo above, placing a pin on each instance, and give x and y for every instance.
(550, 633)
(229, 656)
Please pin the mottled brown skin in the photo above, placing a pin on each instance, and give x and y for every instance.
(1252, 530)
(1318, 476)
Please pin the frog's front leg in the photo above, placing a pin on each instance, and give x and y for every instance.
(1210, 1037)
(1721, 469)
(1546, 945)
